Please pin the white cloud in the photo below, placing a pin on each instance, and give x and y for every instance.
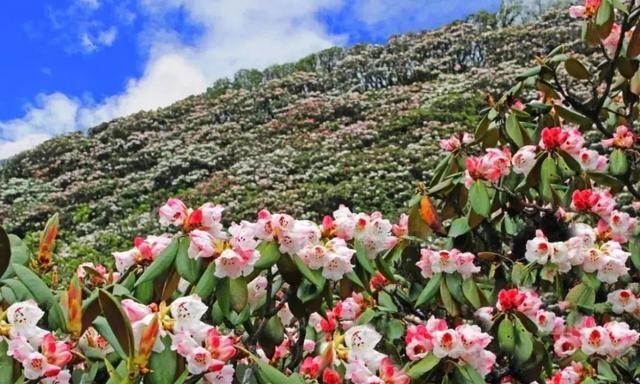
(236, 34)
(104, 38)
(10, 148)
(108, 36)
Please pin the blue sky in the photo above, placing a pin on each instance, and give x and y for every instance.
(71, 64)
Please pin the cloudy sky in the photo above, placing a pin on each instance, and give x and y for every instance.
(71, 64)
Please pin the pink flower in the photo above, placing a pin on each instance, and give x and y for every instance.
(23, 317)
(418, 342)
(552, 138)
(201, 244)
(134, 310)
(524, 160)
(391, 374)
(621, 226)
(223, 375)
(610, 43)
(539, 249)
(257, 291)
(402, 228)
(494, 164)
(591, 161)
(623, 138)
(595, 340)
(451, 144)
(623, 300)
(310, 367)
(472, 338)
(465, 263)
(174, 212)
(573, 142)
(447, 343)
(567, 344)
(235, 263)
(621, 338)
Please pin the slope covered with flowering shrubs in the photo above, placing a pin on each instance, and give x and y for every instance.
(518, 262)
(356, 127)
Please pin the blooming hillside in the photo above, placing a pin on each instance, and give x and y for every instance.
(357, 127)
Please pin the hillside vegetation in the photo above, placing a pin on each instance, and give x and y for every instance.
(357, 126)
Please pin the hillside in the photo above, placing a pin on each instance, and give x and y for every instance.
(357, 126)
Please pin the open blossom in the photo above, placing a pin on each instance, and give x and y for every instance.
(334, 257)
(187, 312)
(621, 226)
(23, 317)
(174, 212)
(552, 138)
(361, 341)
(572, 374)
(586, 11)
(591, 161)
(451, 144)
(292, 235)
(209, 356)
(494, 164)
(523, 301)
(350, 308)
(145, 250)
(567, 343)
(623, 300)
(234, 263)
(541, 251)
(443, 261)
(402, 228)
(201, 244)
(610, 43)
(597, 201)
(257, 291)
(623, 138)
(48, 361)
(524, 160)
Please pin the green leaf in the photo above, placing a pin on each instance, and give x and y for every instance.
(239, 293)
(361, 256)
(459, 227)
(385, 301)
(529, 73)
(313, 276)
(39, 290)
(143, 292)
(506, 336)
(366, 317)
(514, 131)
(161, 264)
(430, 290)
(466, 374)
(605, 371)
(272, 374)
(269, 255)
(118, 321)
(576, 69)
(395, 329)
(163, 365)
(5, 251)
(604, 13)
(419, 368)
(581, 295)
(472, 292)
(548, 175)
(102, 326)
(19, 255)
(207, 282)
(447, 300)
(6, 363)
(308, 291)
(479, 199)
(618, 164)
(524, 343)
(188, 268)
(21, 291)
(353, 277)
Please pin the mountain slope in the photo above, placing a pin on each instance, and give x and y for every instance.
(356, 126)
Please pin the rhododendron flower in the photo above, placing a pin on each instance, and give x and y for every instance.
(552, 138)
(447, 343)
(310, 367)
(334, 257)
(451, 144)
(378, 282)
(494, 164)
(201, 244)
(350, 308)
(234, 263)
(402, 228)
(547, 321)
(390, 374)
(587, 10)
(541, 251)
(443, 261)
(209, 220)
(621, 337)
(292, 235)
(610, 43)
(621, 226)
(623, 300)
(23, 317)
(217, 350)
(145, 250)
(329, 376)
(595, 340)
(591, 161)
(361, 341)
(174, 212)
(597, 201)
(63, 377)
(509, 299)
(223, 375)
(524, 160)
(572, 374)
(623, 138)
(187, 312)
(53, 356)
(92, 339)
(567, 343)
(418, 342)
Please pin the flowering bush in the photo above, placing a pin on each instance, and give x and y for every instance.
(517, 263)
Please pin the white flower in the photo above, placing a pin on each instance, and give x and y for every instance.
(524, 160)
(361, 341)
(622, 300)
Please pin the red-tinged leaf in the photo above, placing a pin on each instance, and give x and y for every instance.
(430, 215)
(118, 321)
(147, 340)
(74, 307)
(47, 242)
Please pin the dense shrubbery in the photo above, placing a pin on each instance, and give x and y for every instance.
(518, 263)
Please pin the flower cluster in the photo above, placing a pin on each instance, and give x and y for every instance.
(443, 261)
(613, 339)
(490, 167)
(144, 252)
(608, 259)
(42, 357)
(466, 342)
